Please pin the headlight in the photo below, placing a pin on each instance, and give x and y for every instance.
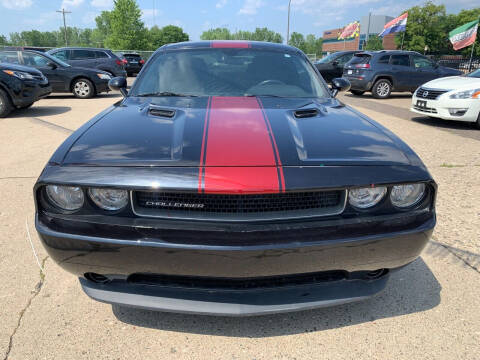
(364, 198)
(109, 199)
(104, 76)
(467, 94)
(19, 74)
(68, 198)
(404, 196)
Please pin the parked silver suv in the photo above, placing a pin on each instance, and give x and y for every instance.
(92, 58)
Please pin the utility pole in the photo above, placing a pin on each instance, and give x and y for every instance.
(288, 21)
(154, 11)
(63, 12)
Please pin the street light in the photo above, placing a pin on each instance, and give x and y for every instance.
(288, 21)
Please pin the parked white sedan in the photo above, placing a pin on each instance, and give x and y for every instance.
(450, 98)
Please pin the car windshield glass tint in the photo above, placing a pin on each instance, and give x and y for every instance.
(230, 72)
(475, 74)
(360, 59)
(55, 60)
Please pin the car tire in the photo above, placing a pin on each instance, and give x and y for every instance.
(83, 88)
(357, 92)
(477, 123)
(6, 106)
(382, 89)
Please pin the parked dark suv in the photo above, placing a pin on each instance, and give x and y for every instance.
(134, 63)
(20, 86)
(382, 72)
(331, 66)
(82, 82)
(102, 59)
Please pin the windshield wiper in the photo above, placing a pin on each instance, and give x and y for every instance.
(166, 93)
(264, 95)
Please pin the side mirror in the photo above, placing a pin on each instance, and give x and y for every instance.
(335, 63)
(52, 65)
(339, 84)
(118, 83)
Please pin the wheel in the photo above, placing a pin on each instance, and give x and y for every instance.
(83, 89)
(382, 89)
(477, 123)
(6, 106)
(357, 92)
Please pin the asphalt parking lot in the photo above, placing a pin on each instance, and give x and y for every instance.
(430, 309)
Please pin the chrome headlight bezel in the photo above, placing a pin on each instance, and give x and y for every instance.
(65, 198)
(416, 194)
(366, 197)
(104, 198)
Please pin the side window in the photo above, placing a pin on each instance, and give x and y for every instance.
(421, 62)
(62, 55)
(82, 54)
(9, 57)
(384, 59)
(32, 59)
(101, 54)
(342, 60)
(402, 60)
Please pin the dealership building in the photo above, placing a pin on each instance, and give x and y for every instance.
(369, 25)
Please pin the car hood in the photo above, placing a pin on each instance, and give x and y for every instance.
(235, 132)
(453, 83)
(14, 67)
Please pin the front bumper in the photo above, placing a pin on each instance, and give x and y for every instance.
(147, 246)
(439, 108)
(30, 91)
(101, 86)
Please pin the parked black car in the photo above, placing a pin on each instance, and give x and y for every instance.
(134, 63)
(382, 72)
(233, 190)
(331, 66)
(20, 87)
(83, 83)
(91, 58)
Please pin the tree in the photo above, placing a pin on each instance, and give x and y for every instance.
(103, 29)
(216, 34)
(166, 35)
(312, 45)
(374, 43)
(3, 40)
(297, 40)
(459, 19)
(127, 30)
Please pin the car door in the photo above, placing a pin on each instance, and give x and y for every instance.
(402, 71)
(55, 75)
(425, 70)
(83, 58)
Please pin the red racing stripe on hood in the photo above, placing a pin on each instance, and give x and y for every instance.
(239, 153)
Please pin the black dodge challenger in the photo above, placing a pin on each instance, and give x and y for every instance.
(230, 181)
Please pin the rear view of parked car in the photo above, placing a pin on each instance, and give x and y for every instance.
(20, 86)
(134, 63)
(91, 58)
(331, 66)
(382, 72)
(83, 83)
(452, 98)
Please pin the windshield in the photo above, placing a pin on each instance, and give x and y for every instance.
(229, 72)
(475, 74)
(326, 59)
(55, 60)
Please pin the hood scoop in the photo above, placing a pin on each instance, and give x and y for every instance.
(161, 112)
(305, 113)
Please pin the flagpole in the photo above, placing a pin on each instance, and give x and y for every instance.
(471, 56)
(403, 37)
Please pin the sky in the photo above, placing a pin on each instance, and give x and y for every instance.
(195, 16)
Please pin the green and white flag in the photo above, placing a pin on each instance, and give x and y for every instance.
(464, 35)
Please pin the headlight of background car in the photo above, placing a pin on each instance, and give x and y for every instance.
(104, 76)
(468, 94)
(404, 196)
(19, 74)
(68, 198)
(109, 199)
(364, 198)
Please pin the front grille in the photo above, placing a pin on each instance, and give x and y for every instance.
(429, 93)
(238, 207)
(425, 109)
(199, 282)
